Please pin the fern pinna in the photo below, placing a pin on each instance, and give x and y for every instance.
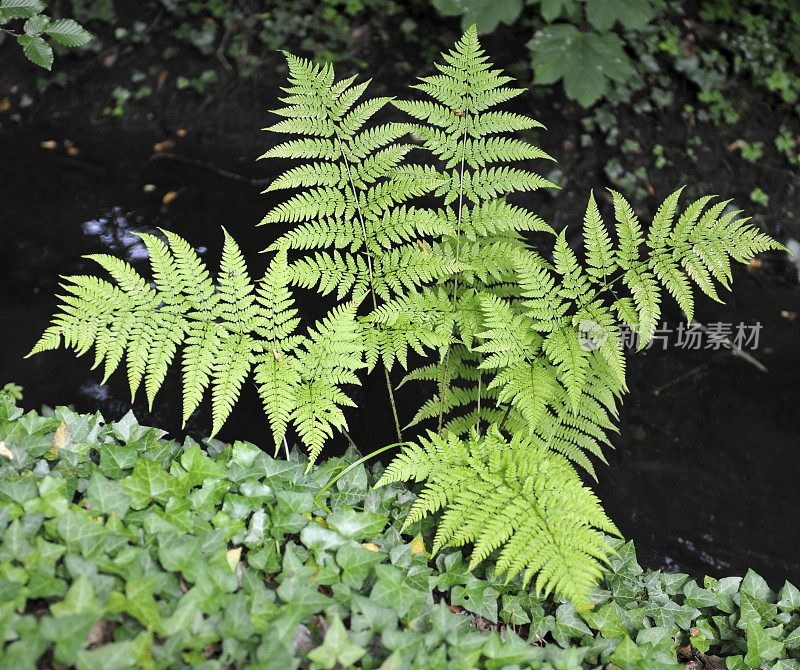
(522, 348)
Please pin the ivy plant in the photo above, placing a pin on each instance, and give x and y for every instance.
(37, 26)
(521, 350)
(122, 548)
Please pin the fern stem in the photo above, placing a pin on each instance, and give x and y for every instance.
(371, 279)
(446, 372)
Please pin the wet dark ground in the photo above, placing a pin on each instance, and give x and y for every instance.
(705, 473)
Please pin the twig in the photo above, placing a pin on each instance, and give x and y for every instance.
(350, 440)
(207, 166)
(678, 380)
(736, 349)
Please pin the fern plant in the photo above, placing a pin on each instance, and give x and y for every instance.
(520, 348)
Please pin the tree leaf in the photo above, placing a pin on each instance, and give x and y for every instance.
(20, 9)
(633, 14)
(585, 60)
(68, 32)
(37, 50)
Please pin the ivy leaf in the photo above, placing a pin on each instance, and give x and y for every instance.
(478, 598)
(146, 483)
(20, 9)
(725, 590)
(755, 585)
(113, 656)
(633, 14)
(69, 634)
(356, 525)
(789, 598)
(569, 625)
(760, 646)
(114, 459)
(37, 50)
(300, 593)
(585, 60)
(80, 599)
(656, 638)
(139, 602)
(199, 466)
(626, 654)
(107, 497)
(356, 562)
(697, 596)
(513, 610)
(391, 590)
(68, 32)
(336, 647)
(754, 609)
(607, 620)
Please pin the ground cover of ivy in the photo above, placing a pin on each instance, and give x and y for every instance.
(122, 548)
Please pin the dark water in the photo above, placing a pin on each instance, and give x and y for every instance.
(706, 469)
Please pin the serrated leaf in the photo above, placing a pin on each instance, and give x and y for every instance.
(68, 32)
(584, 60)
(632, 14)
(37, 50)
(487, 14)
(20, 9)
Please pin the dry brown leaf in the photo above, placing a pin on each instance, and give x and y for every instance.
(785, 313)
(163, 146)
(5, 105)
(169, 197)
(5, 452)
(181, 132)
(50, 145)
(97, 634)
(753, 265)
(737, 144)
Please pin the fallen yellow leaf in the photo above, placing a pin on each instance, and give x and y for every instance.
(370, 546)
(418, 546)
(5, 105)
(233, 556)
(5, 452)
(62, 437)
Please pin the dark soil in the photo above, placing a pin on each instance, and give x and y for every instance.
(705, 473)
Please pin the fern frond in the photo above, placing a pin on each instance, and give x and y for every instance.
(524, 500)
